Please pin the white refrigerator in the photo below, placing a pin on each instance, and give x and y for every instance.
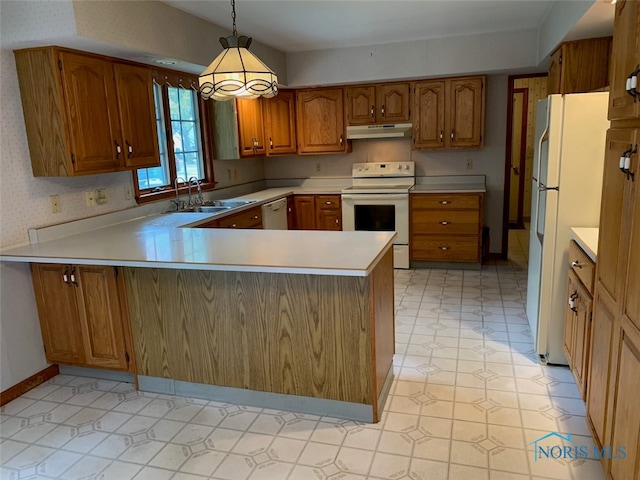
(567, 186)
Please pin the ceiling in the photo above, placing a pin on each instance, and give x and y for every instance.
(294, 26)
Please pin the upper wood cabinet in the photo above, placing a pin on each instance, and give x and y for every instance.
(83, 315)
(449, 113)
(250, 127)
(385, 103)
(625, 60)
(280, 123)
(320, 121)
(85, 113)
(579, 66)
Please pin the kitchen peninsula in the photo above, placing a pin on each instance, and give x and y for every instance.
(300, 320)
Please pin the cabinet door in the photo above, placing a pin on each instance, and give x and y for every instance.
(137, 115)
(582, 334)
(599, 363)
(280, 123)
(58, 313)
(625, 59)
(554, 78)
(428, 108)
(568, 341)
(626, 414)
(329, 220)
(305, 210)
(612, 242)
(250, 128)
(320, 121)
(101, 317)
(361, 105)
(393, 103)
(92, 113)
(631, 303)
(466, 112)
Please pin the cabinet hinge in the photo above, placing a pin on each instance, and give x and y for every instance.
(60, 65)
(73, 159)
(126, 356)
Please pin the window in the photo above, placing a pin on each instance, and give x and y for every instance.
(182, 136)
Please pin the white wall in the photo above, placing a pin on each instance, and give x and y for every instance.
(487, 161)
(559, 21)
(24, 200)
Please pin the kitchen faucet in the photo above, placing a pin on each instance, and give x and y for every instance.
(199, 200)
(179, 203)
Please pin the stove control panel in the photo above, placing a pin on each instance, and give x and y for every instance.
(384, 169)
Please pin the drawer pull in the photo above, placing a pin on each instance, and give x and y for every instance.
(444, 223)
(444, 248)
(234, 225)
(572, 301)
(255, 217)
(65, 276)
(576, 264)
(444, 202)
(328, 202)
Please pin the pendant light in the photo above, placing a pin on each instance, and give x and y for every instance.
(236, 72)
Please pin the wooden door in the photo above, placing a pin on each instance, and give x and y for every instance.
(58, 313)
(631, 303)
(92, 113)
(519, 116)
(612, 243)
(280, 123)
(465, 112)
(625, 59)
(305, 212)
(582, 334)
(320, 121)
(250, 127)
(137, 115)
(554, 79)
(101, 317)
(626, 414)
(428, 108)
(392, 102)
(599, 366)
(570, 318)
(360, 105)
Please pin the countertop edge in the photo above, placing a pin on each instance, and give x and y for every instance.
(587, 239)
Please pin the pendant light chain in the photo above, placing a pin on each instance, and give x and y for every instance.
(233, 17)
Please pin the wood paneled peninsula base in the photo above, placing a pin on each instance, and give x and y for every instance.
(319, 344)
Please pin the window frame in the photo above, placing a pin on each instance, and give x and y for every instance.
(171, 78)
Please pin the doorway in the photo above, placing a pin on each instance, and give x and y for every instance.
(524, 93)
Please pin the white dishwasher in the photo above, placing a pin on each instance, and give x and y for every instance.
(274, 215)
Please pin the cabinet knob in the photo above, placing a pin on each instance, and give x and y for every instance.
(373, 111)
(444, 202)
(341, 140)
(328, 202)
(118, 149)
(441, 136)
(444, 248)
(65, 276)
(382, 110)
(576, 264)
(233, 225)
(271, 143)
(255, 217)
(452, 135)
(444, 223)
(73, 276)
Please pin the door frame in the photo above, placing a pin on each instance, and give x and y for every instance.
(523, 156)
(507, 161)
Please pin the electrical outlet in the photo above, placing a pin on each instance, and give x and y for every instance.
(90, 198)
(128, 193)
(469, 164)
(101, 196)
(55, 204)
(318, 167)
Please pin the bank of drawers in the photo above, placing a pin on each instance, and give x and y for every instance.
(446, 227)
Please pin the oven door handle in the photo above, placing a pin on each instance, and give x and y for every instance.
(375, 196)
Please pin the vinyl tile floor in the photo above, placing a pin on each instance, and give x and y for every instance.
(469, 397)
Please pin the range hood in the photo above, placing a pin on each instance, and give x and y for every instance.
(396, 130)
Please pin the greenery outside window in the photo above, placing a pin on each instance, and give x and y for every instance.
(184, 141)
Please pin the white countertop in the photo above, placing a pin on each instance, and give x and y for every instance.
(167, 241)
(450, 184)
(587, 238)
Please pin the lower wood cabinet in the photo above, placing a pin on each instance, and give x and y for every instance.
(318, 212)
(83, 315)
(251, 218)
(445, 227)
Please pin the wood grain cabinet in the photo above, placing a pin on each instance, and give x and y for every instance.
(86, 113)
(251, 218)
(280, 123)
(384, 103)
(578, 315)
(250, 127)
(318, 212)
(579, 66)
(83, 315)
(320, 121)
(445, 227)
(625, 61)
(449, 113)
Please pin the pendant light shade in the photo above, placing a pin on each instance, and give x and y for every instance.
(236, 72)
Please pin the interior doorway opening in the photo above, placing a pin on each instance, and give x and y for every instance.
(524, 93)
